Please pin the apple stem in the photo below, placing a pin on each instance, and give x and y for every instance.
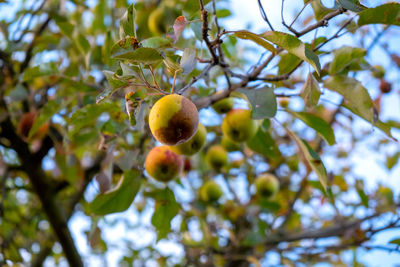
(173, 84)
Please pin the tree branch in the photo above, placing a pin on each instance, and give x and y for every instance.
(43, 189)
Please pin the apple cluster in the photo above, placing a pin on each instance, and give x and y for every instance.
(174, 122)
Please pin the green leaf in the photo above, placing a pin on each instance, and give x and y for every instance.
(287, 63)
(88, 115)
(363, 197)
(311, 159)
(104, 95)
(127, 43)
(384, 14)
(311, 92)
(384, 127)
(353, 5)
(127, 25)
(356, 96)
(143, 55)
(345, 56)
(392, 160)
(100, 12)
(188, 60)
(166, 209)
(44, 69)
(223, 13)
(264, 144)
(319, 9)
(294, 46)
(83, 43)
(246, 35)
(119, 198)
(114, 81)
(263, 102)
(318, 124)
(395, 241)
(46, 112)
(65, 26)
(129, 71)
(157, 42)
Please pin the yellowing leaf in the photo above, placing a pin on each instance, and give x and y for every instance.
(384, 14)
(311, 92)
(246, 35)
(354, 93)
(293, 45)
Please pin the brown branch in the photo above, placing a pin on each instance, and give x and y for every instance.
(322, 22)
(196, 78)
(204, 32)
(253, 76)
(43, 189)
(69, 210)
(335, 230)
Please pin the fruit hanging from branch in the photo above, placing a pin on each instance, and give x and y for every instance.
(210, 191)
(173, 120)
(267, 185)
(238, 125)
(194, 144)
(217, 157)
(163, 164)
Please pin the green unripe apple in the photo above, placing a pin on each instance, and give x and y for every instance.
(378, 71)
(238, 125)
(266, 185)
(210, 191)
(224, 105)
(163, 164)
(229, 145)
(173, 120)
(194, 144)
(156, 22)
(217, 157)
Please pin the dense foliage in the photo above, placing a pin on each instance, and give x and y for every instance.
(274, 175)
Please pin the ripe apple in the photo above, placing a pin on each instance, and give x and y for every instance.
(194, 144)
(173, 119)
(163, 164)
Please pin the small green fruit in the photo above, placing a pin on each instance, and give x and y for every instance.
(229, 145)
(194, 144)
(217, 157)
(238, 125)
(378, 71)
(224, 105)
(173, 120)
(156, 22)
(266, 185)
(163, 164)
(210, 192)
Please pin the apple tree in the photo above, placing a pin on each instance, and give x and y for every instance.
(233, 146)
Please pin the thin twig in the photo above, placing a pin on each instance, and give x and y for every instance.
(264, 15)
(196, 78)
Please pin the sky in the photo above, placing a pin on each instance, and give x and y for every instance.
(367, 165)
